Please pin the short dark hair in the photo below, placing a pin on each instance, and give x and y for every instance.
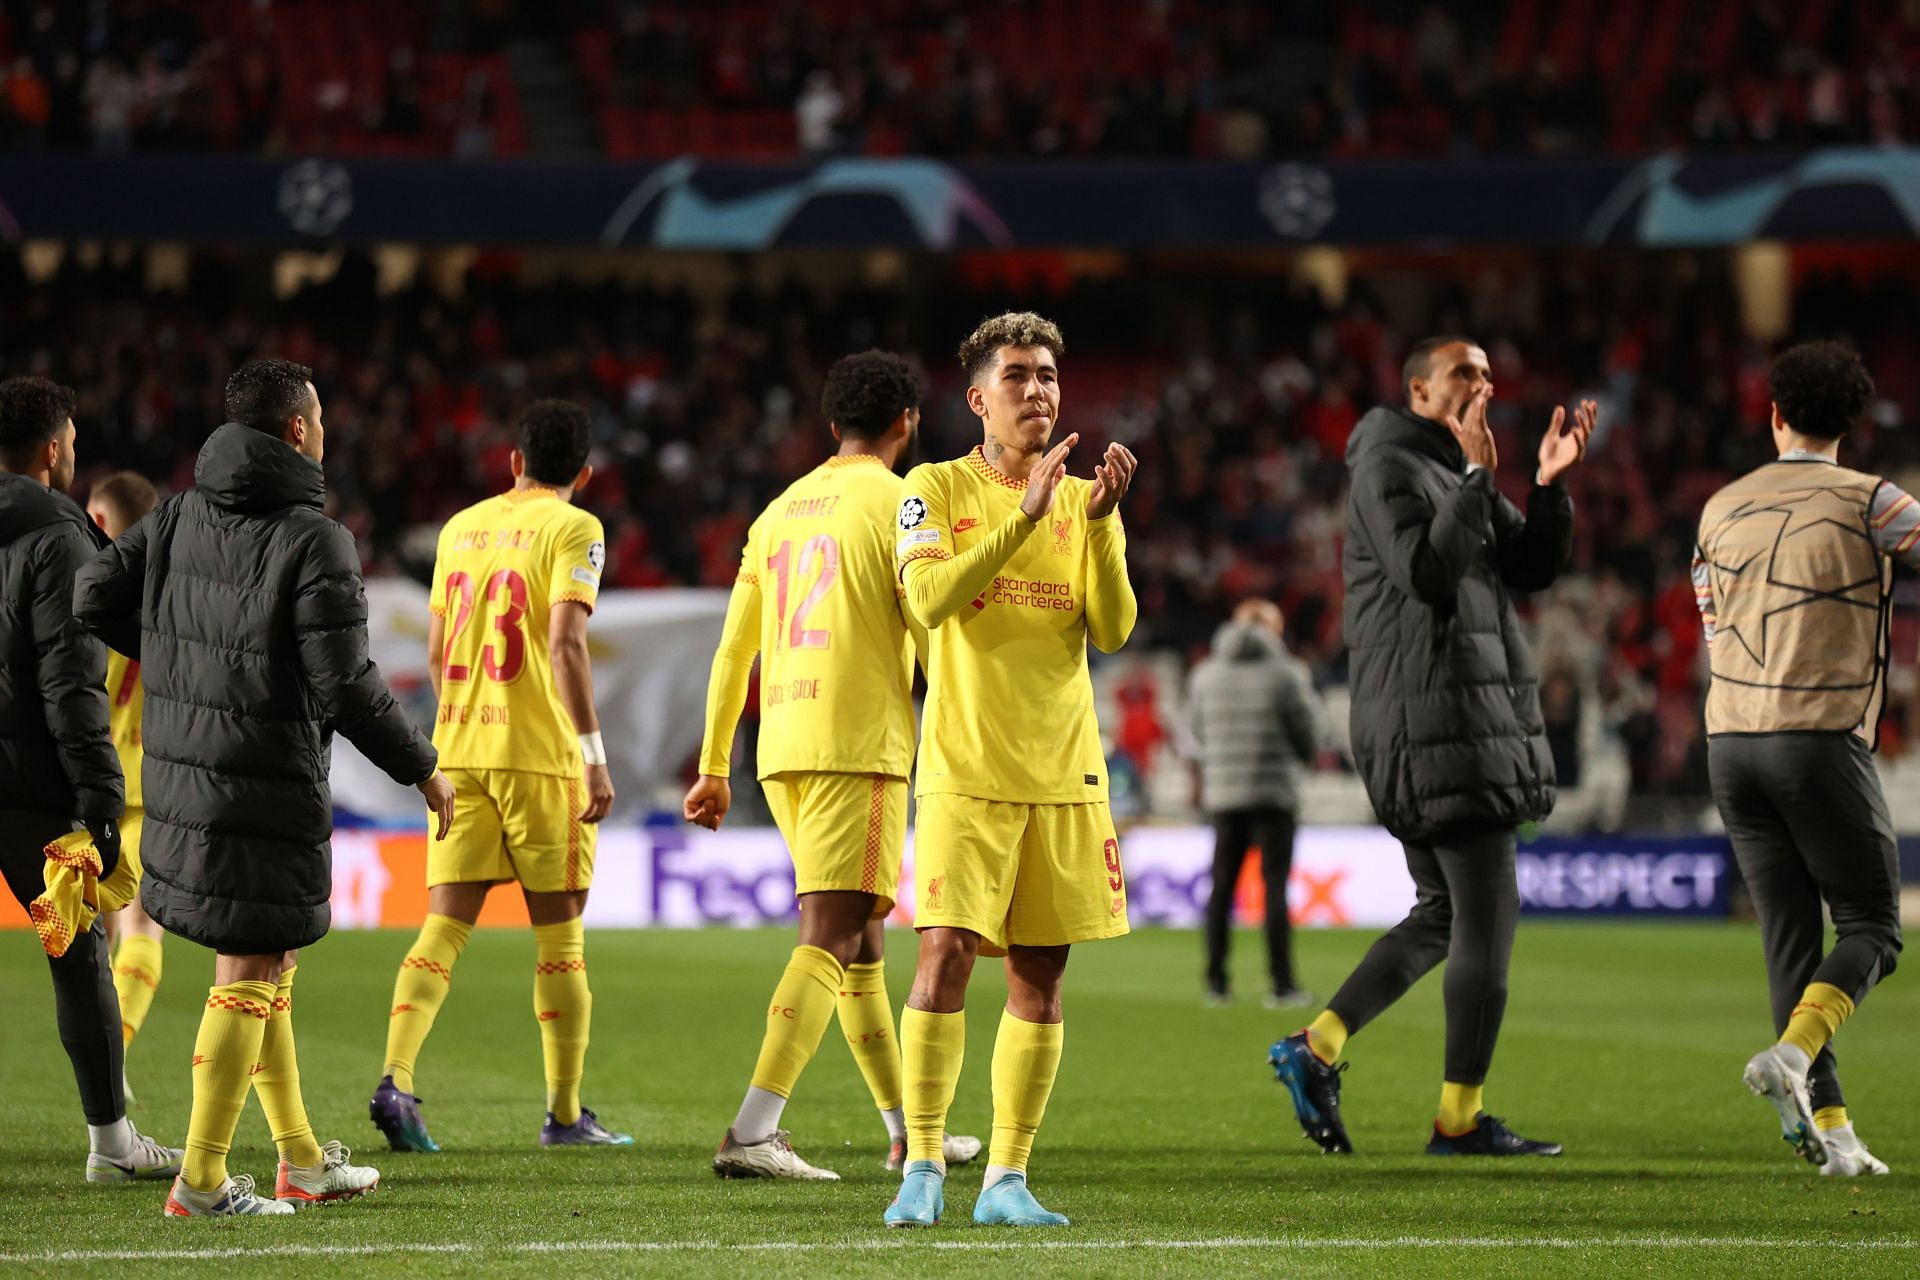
(554, 440)
(865, 393)
(1820, 389)
(1419, 361)
(32, 412)
(264, 394)
(131, 494)
(1009, 329)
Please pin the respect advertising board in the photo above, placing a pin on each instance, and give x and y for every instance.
(1625, 875)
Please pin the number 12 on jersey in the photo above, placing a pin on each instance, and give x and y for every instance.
(820, 549)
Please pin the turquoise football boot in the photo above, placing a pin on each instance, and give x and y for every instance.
(922, 1198)
(1008, 1203)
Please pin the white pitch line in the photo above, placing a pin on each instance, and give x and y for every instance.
(981, 1246)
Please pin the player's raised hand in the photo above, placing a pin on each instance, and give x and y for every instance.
(439, 794)
(708, 801)
(1471, 430)
(1566, 442)
(1045, 478)
(1110, 481)
(599, 793)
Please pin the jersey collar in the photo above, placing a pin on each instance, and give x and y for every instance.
(530, 493)
(852, 459)
(977, 459)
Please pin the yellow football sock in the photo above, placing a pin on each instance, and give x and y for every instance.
(1830, 1118)
(866, 1015)
(136, 976)
(1026, 1057)
(802, 1006)
(419, 991)
(224, 1053)
(1822, 1008)
(564, 1006)
(932, 1047)
(1327, 1036)
(276, 1079)
(1460, 1107)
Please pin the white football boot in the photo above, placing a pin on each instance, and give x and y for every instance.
(771, 1158)
(1847, 1156)
(234, 1198)
(1774, 1074)
(334, 1178)
(145, 1160)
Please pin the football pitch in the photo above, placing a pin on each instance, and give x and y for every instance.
(1166, 1141)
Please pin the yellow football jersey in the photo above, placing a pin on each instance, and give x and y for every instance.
(817, 599)
(125, 696)
(501, 565)
(1009, 606)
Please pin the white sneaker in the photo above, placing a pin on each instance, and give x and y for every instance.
(332, 1179)
(1847, 1156)
(147, 1161)
(1773, 1075)
(955, 1149)
(1291, 998)
(771, 1158)
(233, 1198)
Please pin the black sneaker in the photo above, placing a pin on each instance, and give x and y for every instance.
(1315, 1089)
(1488, 1137)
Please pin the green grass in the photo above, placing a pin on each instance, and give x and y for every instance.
(1623, 1041)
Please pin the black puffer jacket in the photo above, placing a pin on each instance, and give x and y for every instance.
(245, 607)
(1446, 720)
(55, 754)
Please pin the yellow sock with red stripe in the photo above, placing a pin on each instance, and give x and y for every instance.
(1026, 1058)
(866, 1016)
(564, 1006)
(1327, 1036)
(136, 977)
(1460, 1107)
(276, 1079)
(932, 1048)
(1822, 1009)
(419, 991)
(224, 1053)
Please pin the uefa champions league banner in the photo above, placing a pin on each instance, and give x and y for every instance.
(918, 202)
(650, 652)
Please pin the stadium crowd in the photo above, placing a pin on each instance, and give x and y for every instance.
(1238, 402)
(778, 78)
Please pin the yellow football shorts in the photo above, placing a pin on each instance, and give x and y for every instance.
(844, 830)
(510, 825)
(1029, 875)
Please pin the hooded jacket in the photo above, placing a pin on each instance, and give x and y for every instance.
(245, 607)
(56, 755)
(1256, 720)
(1446, 724)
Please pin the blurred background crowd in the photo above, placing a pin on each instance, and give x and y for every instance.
(777, 78)
(1236, 387)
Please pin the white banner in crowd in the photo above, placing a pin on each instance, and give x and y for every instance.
(679, 876)
(651, 650)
